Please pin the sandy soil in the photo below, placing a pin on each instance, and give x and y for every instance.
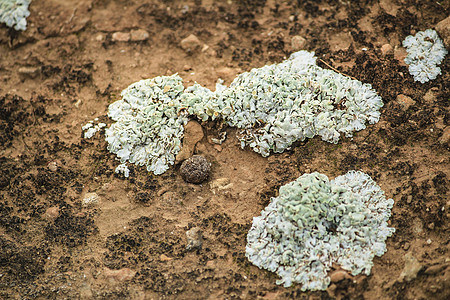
(70, 64)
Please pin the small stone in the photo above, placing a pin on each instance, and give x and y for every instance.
(387, 49)
(411, 269)
(298, 43)
(194, 239)
(417, 226)
(100, 38)
(409, 199)
(120, 275)
(405, 101)
(389, 7)
(400, 55)
(120, 37)
(406, 246)
(431, 226)
(139, 35)
(90, 199)
(221, 184)
(191, 44)
(52, 166)
(210, 264)
(29, 72)
(429, 241)
(430, 96)
(445, 137)
(218, 148)
(195, 169)
(443, 28)
(339, 275)
(205, 48)
(164, 257)
(193, 133)
(52, 212)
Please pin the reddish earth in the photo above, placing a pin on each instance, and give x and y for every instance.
(76, 57)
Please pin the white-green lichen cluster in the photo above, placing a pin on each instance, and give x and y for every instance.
(274, 106)
(90, 129)
(14, 13)
(315, 223)
(149, 123)
(425, 52)
(279, 104)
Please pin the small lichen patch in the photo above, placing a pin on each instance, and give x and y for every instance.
(425, 52)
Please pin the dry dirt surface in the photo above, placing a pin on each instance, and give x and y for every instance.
(76, 57)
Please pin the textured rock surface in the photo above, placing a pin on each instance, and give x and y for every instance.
(195, 169)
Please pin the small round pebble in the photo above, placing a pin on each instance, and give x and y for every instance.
(195, 169)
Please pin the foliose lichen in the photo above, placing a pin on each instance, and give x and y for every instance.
(279, 104)
(315, 223)
(91, 129)
(149, 123)
(425, 52)
(274, 106)
(14, 13)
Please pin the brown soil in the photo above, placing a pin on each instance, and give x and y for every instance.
(133, 243)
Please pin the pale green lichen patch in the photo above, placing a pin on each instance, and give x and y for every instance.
(274, 106)
(315, 223)
(14, 13)
(149, 126)
(279, 104)
(425, 52)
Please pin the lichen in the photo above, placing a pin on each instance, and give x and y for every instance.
(280, 104)
(425, 52)
(14, 13)
(273, 106)
(149, 123)
(315, 223)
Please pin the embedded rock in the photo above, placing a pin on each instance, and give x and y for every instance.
(29, 72)
(411, 269)
(405, 101)
(194, 239)
(120, 37)
(191, 44)
(298, 43)
(90, 199)
(387, 49)
(193, 133)
(120, 275)
(139, 35)
(443, 28)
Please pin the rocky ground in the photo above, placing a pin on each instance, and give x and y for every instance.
(131, 243)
